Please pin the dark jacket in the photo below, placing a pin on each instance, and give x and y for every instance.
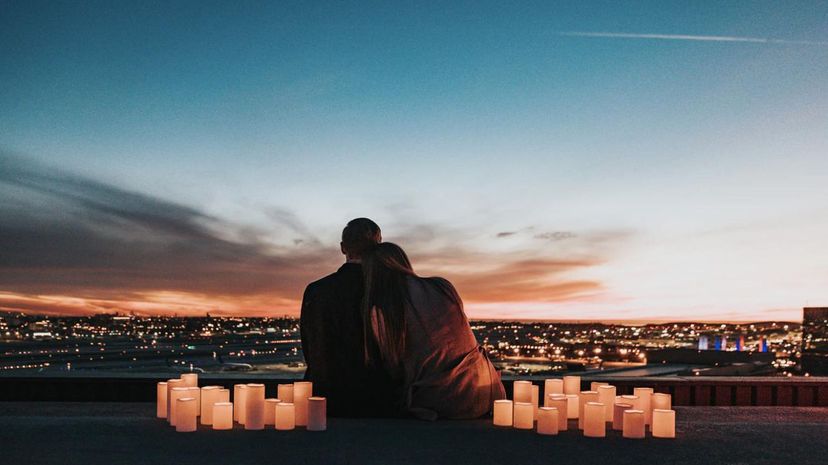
(333, 344)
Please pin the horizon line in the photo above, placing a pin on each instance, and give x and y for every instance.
(688, 37)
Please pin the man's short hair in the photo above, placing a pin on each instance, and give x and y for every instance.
(359, 236)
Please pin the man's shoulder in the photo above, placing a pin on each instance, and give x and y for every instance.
(322, 284)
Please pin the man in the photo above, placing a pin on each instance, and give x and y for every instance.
(333, 336)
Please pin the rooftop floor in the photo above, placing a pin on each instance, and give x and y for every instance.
(128, 433)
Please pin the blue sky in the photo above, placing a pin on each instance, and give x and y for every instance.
(634, 177)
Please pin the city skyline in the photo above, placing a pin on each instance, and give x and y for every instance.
(648, 162)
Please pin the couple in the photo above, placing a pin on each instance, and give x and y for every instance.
(381, 341)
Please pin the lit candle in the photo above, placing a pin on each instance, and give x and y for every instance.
(586, 396)
(175, 394)
(635, 401)
(285, 416)
(548, 420)
(524, 415)
(239, 407)
(190, 379)
(664, 423)
(270, 411)
(633, 424)
(254, 400)
(571, 384)
(595, 423)
(645, 394)
(284, 392)
(593, 386)
(223, 415)
(571, 406)
(223, 395)
(661, 401)
(185, 412)
(618, 415)
(559, 402)
(552, 386)
(161, 399)
(535, 397)
(522, 391)
(195, 393)
(302, 390)
(172, 383)
(502, 412)
(606, 396)
(209, 396)
(317, 415)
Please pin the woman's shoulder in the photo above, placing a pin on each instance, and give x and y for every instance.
(444, 287)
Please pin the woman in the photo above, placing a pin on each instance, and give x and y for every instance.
(417, 331)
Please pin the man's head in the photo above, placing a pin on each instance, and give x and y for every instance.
(358, 237)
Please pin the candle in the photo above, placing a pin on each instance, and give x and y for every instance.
(635, 401)
(302, 390)
(185, 411)
(209, 396)
(645, 394)
(254, 400)
(190, 379)
(524, 415)
(171, 383)
(175, 394)
(223, 415)
(548, 420)
(161, 399)
(586, 396)
(223, 395)
(633, 424)
(618, 415)
(285, 416)
(195, 393)
(559, 402)
(317, 415)
(595, 423)
(571, 384)
(284, 392)
(664, 423)
(571, 406)
(661, 401)
(606, 396)
(502, 412)
(535, 396)
(552, 386)
(270, 411)
(522, 391)
(239, 407)
(593, 386)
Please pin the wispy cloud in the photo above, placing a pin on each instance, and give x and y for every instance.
(697, 38)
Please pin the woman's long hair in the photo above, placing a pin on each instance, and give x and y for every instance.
(385, 302)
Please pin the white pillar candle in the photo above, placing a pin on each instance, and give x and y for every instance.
(254, 403)
(284, 392)
(572, 405)
(664, 423)
(618, 415)
(317, 414)
(222, 415)
(302, 390)
(502, 412)
(209, 396)
(175, 394)
(548, 420)
(522, 391)
(661, 401)
(185, 414)
(223, 395)
(552, 386)
(172, 383)
(195, 393)
(645, 395)
(571, 384)
(583, 398)
(635, 401)
(270, 411)
(593, 386)
(595, 423)
(633, 424)
(161, 399)
(285, 416)
(535, 397)
(239, 406)
(190, 379)
(559, 402)
(524, 415)
(606, 396)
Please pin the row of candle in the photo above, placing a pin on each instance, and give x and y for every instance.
(182, 402)
(593, 409)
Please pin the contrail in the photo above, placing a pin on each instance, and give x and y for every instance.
(755, 40)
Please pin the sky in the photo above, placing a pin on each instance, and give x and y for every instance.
(554, 160)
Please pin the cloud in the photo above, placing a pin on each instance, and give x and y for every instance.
(555, 235)
(506, 233)
(698, 38)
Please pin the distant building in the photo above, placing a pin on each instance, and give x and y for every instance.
(815, 340)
